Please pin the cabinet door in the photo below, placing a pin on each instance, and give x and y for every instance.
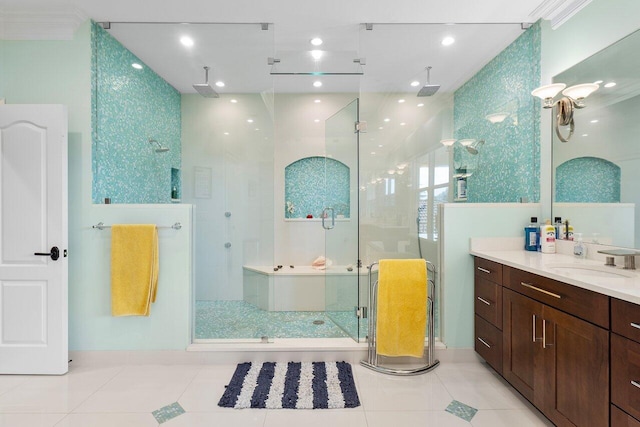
(522, 345)
(576, 365)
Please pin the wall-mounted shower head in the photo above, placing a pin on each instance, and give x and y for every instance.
(205, 88)
(160, 148)
(473, 148)
(428, 89)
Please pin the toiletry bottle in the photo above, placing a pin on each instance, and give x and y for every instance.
(557, 222)
(579, 248)
(531, 235)
(568, 230)
(174, 192)
(547, 238)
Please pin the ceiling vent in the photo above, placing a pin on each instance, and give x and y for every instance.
(558, 11)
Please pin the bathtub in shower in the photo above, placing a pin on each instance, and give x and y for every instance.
(301, 288)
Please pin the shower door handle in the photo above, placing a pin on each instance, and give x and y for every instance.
(333, 218)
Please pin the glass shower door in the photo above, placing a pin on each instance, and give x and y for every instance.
(340, 219)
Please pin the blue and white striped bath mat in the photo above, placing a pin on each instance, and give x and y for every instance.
(291, 385)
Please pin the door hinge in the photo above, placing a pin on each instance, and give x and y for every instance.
(361, 312)
(360, 127)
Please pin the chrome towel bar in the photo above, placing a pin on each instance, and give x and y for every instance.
(101, 226)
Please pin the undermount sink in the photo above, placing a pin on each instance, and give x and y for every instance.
(590, 270)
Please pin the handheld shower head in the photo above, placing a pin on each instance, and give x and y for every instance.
(160, 148)
(205, 88)
(428, 89)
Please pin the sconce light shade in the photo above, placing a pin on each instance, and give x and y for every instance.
(497, 117)
(467, 142)
(580, 91)
(548, 91)
(447, 142)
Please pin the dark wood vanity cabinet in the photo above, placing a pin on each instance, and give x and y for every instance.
(625, 363)
(554, 356)
(488, 312)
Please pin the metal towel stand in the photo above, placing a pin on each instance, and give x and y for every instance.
(372, 353)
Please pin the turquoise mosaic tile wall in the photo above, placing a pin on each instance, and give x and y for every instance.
(305, 187)
(130, 106)
(588, 180)
(507, 167)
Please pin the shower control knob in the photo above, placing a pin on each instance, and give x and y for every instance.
(227, 214)
(227, 245)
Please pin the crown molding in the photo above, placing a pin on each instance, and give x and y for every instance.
(558, 11)
(59, 23)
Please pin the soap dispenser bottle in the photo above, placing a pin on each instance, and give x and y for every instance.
(579, 248)
(531, 235)
(547, 238)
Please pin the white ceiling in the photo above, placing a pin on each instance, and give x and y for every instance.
(395, 54)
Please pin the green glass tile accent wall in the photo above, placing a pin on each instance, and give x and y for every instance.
(588, 180)
(306, 191)
(130, 106)
(496, 105)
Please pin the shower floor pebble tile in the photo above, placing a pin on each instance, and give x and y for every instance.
(128, 396)
(238, 319)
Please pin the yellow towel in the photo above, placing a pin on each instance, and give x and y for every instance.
(134, 269)
(402, 307)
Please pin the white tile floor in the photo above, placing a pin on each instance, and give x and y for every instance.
(127, 395)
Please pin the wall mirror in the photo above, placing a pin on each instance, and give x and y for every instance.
(597, 173)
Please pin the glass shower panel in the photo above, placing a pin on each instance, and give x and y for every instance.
(341, 222)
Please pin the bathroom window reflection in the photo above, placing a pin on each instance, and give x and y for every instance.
(433, 168)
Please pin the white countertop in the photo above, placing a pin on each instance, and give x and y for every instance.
(513, 255)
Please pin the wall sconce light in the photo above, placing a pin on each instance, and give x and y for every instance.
(467, 142)
(573, 98)
(497, 117)
(447, 142)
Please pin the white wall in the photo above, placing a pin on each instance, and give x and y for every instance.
(612, 223)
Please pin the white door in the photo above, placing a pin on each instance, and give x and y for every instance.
(33, 220)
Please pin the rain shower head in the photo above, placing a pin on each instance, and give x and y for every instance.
(428, 89)
(205, 88)
(473, 148)
(160, 148)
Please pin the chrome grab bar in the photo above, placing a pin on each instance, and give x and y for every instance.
(333, 218)
(101, 226)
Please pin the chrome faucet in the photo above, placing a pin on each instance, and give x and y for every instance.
(628, 254)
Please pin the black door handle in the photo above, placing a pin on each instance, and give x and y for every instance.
(54, 254)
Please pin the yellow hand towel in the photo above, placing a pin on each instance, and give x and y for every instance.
(134, 269)
(402, 307)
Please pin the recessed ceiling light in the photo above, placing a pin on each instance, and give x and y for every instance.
(317, 54)
(387, 119)
(373, 153)
(257, 129)
(249, 120)
(379, 145)
(186, 41)
(402, 124)
(316, 41)
(415, 83)
(317, 83)
(220, 84)
(448, 41)
(136, 66)
(585, 134)
(594, 121)
(317, 101)
(317, 120)
(234, 101)
(598, 82)
(610, 84)
(381, 128)
(400, 101)
(421, 105)
(226, 133)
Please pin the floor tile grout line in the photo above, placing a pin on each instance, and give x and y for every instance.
(72, 410)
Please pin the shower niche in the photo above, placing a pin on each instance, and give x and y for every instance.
(313, 183)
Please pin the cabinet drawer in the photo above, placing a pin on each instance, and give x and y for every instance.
(625, 374)
(488, 343)
(488, 270)
(625, 319)
(488, 301)
(585, 304)
(622, 419)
